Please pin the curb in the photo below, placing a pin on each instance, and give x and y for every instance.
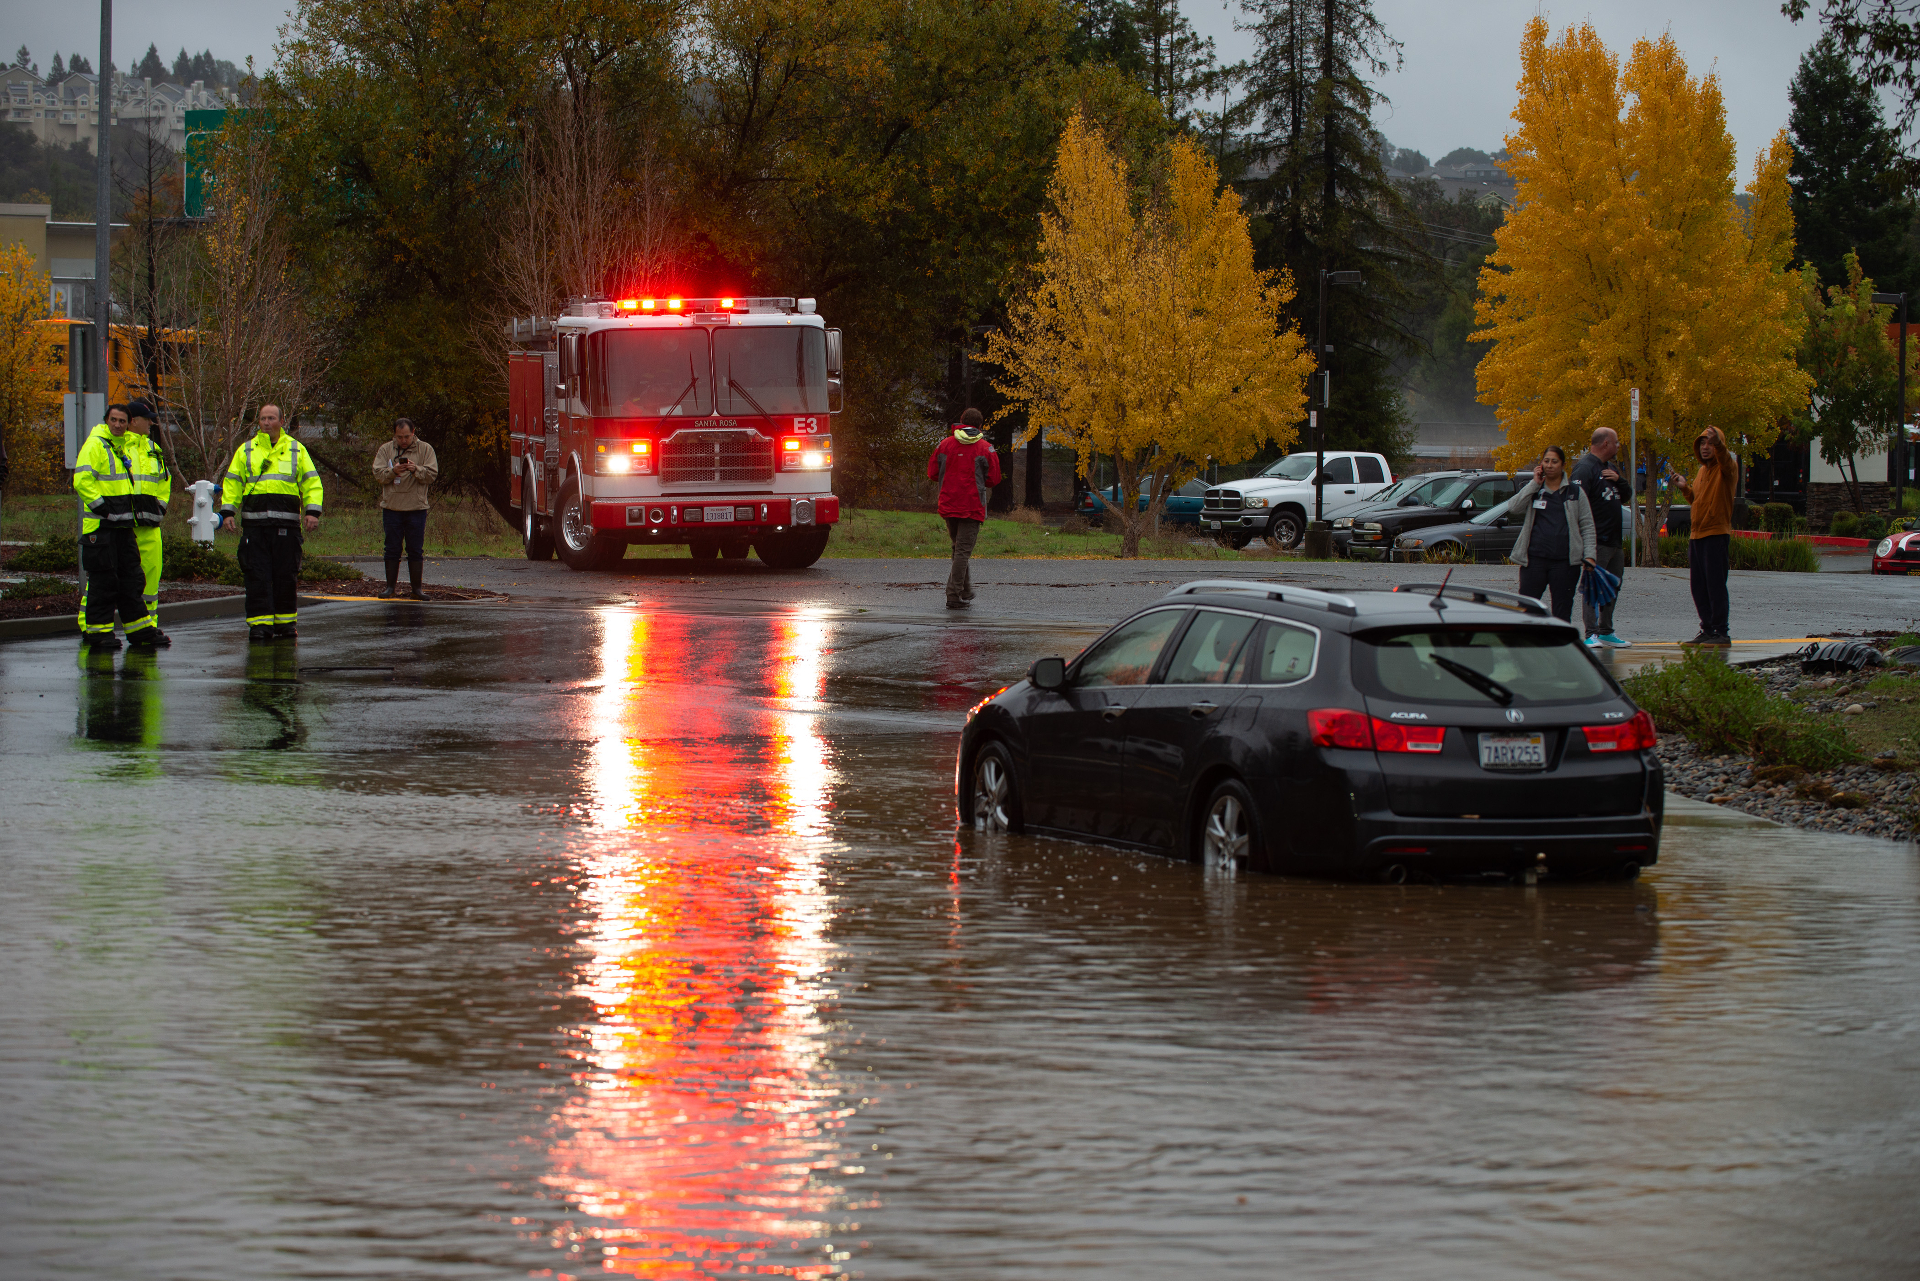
(180, 611)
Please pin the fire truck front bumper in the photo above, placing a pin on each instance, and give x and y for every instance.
(717, 515)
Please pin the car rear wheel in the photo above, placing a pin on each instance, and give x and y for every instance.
(1229, 837)
(1236, 541)
(994, 803)
(1286, 529)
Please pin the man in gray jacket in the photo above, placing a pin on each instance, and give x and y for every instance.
(1556, 538)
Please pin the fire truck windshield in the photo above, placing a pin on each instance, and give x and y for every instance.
(771, 370)
(649, 373)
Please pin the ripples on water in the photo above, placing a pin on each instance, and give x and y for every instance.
(679, 970)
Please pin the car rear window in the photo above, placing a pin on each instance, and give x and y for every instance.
(1205, 654)
(1281, 655)
(1537, 665)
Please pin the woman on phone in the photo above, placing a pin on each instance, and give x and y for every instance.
(1556, 537)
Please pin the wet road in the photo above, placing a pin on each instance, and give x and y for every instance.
(494, 942)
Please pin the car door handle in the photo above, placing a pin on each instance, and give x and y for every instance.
(1201, 710)
(1112, 713)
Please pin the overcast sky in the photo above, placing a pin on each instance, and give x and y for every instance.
(1456, 87)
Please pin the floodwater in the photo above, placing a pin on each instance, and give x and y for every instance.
(488, 943)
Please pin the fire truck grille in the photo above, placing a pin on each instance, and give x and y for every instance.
(730, 456)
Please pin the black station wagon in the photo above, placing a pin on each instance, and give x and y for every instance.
(1423, 732)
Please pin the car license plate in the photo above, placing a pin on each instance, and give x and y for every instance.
(1213, 524)
(1513, 751)
(711, 514)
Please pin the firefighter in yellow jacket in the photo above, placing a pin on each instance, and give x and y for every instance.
(103, 477)
(273, 490)
(152, 488)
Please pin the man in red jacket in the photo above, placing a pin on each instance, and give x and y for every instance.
(966, 467)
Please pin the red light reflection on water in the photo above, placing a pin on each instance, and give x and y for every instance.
(703, 1135)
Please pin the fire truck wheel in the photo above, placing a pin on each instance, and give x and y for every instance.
(575, 540)
(795, 549)
(703, 551)
(535, 534)
(735, 551)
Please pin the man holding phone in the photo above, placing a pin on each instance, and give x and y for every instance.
(405, 466)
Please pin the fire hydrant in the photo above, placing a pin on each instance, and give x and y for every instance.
(204, 519)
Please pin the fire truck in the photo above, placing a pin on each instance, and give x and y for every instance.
(703, 422)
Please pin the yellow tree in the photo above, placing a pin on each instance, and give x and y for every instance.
(30, 376)
(1147, 334)
(1627, 261)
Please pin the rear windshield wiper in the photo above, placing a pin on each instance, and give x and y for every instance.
(1493, 689)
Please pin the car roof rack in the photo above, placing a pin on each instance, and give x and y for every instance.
(1272, 591)
(1478, 595)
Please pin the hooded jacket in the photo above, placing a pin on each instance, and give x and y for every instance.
(1711, 491)
(966, 473)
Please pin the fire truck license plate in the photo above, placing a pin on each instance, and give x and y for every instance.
(711, 514)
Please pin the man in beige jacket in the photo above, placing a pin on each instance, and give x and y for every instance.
(405, 466)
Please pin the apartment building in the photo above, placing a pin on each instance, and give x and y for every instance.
(67, 111)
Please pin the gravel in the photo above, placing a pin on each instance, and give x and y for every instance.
(1876, 798)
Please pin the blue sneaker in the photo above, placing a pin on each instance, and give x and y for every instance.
(1616, 642)
(1596, 641)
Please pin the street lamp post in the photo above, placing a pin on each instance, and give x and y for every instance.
(1900, 436)
(1319, 542)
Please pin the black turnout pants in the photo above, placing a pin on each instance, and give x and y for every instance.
(270, 563)
(1555, 575)
(1707, 574)
(115, 581)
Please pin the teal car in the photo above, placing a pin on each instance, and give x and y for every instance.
(1183, 504)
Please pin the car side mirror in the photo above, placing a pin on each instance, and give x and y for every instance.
(1048, 673)
(1466, 504)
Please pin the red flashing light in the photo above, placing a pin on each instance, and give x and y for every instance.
(726, 304)
(629, 304)
(1344, 727)
(673, 304)
(646, 304)
(1628, 736)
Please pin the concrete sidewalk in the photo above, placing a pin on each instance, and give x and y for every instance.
(1656, 605)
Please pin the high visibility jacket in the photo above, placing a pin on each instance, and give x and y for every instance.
(152, 482)
(103, 477)
(270, 483)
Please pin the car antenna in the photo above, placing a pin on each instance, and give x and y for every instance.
(1440, 595)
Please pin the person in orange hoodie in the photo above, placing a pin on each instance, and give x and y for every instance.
(1710, 493)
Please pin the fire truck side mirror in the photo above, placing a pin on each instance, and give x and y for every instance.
(833, 353)
(559, 391)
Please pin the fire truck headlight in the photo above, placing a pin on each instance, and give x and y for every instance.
(619, 464)
(808, 453)
(623, 458)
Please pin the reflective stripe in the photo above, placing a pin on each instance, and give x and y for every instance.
(260, 620)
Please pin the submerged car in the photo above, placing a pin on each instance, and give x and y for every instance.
(1372, 532)
(1427, 731)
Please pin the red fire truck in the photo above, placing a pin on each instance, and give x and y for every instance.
(706, 422)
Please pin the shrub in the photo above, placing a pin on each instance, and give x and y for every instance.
(32, 588)
(1721, 709)
(184, 561)
(57, 553)
(1843, 524)
(1778, 519)
(319, 569)
(1871, 526)
(1745, 515)
(1790, 556)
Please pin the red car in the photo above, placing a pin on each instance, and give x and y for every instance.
(1897, 553)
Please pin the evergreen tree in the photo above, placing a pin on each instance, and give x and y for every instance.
(79, 65)
(1845, 166)
(1105, 34)
(150, 67)
(1179, 63)
(183, 67)
(59, 69)
(23, 57)
(1460, 156)
(1328, 203)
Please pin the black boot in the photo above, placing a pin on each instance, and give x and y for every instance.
(415, 565)
(393, 578)
(259, 635)
(149, 638)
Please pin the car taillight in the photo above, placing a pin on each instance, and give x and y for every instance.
(1628, 736)
(1344, 727)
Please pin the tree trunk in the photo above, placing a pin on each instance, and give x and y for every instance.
(1852, 472)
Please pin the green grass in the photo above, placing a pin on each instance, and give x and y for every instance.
(460, 525)
(1721, 709)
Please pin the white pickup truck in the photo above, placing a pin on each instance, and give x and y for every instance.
(1278, 503)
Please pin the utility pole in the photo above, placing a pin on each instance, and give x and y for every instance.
(103, 198)
(1899, 450)
(1633, 480)
(1319, 540)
